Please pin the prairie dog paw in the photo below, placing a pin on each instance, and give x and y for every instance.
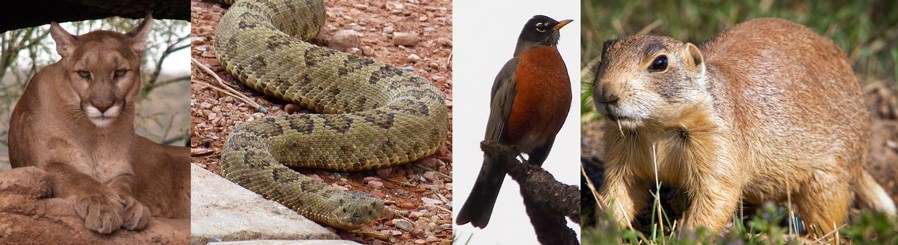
(101, 212)
(136, 215)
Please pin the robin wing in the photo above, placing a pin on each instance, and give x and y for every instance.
(502, 100)
(479, 206)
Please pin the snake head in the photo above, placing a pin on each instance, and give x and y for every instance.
(355, 209)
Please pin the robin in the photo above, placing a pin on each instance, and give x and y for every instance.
(531, 97)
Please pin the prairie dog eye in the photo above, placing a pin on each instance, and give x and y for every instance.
(659, 64)
(84, 74)
(120, 72)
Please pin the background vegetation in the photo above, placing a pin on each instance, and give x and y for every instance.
(867, 30)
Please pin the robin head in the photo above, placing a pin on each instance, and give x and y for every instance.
(540, 31)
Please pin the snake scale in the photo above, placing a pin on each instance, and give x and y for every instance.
(373, 115)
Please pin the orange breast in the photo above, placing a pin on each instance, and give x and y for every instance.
(542, 101)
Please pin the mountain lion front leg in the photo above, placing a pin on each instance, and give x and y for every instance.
(135, 215)
(99, 206)
(102, 190)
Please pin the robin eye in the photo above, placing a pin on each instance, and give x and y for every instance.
(119, 73)
(659, 64)
(539, 27)
(84, 74)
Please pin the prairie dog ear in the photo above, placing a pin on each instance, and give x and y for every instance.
(694, 59)
(140, 33)
(65, 42)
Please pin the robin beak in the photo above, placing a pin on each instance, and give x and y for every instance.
(561, 24)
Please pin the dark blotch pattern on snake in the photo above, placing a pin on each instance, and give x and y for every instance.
(374, 115)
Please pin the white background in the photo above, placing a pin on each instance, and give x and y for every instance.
(484, 38)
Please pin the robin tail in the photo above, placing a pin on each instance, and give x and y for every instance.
(479, 206)
(873, 196)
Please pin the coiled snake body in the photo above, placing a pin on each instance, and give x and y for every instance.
(375, 115)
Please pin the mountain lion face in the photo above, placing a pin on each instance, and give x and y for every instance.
(103, 70)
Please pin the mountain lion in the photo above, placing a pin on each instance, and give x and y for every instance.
(75, 120)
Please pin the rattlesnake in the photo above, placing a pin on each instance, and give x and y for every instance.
(376, 115)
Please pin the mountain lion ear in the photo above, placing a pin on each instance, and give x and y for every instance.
(140, 33)
(65, 42)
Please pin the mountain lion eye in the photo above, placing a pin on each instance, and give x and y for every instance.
(659, 64)
(120, 73)
(84, 74)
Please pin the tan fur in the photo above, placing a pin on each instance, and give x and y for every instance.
(764, 110)
(117, 178)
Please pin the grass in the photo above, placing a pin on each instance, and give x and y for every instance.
(764, 228)
(771, 224)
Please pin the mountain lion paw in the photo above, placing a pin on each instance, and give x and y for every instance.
(136, 215)
(101, 212)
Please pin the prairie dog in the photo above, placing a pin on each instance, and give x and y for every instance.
(764, 110)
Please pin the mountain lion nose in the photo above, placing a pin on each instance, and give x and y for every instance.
(102, 104)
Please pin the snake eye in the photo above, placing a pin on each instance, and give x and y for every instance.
(84, 74)
(659, 64)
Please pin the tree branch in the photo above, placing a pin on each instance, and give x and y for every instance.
(167, 82)
(547, 201)
(151, 83)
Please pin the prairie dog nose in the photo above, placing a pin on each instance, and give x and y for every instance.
(605, 94)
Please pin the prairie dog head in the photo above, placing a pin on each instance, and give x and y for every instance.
(646, 79)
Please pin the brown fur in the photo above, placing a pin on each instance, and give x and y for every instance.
(764, 110)
(118, 179)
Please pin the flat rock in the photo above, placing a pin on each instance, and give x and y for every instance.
(282, 242)
(29, 215)
(223, 211)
